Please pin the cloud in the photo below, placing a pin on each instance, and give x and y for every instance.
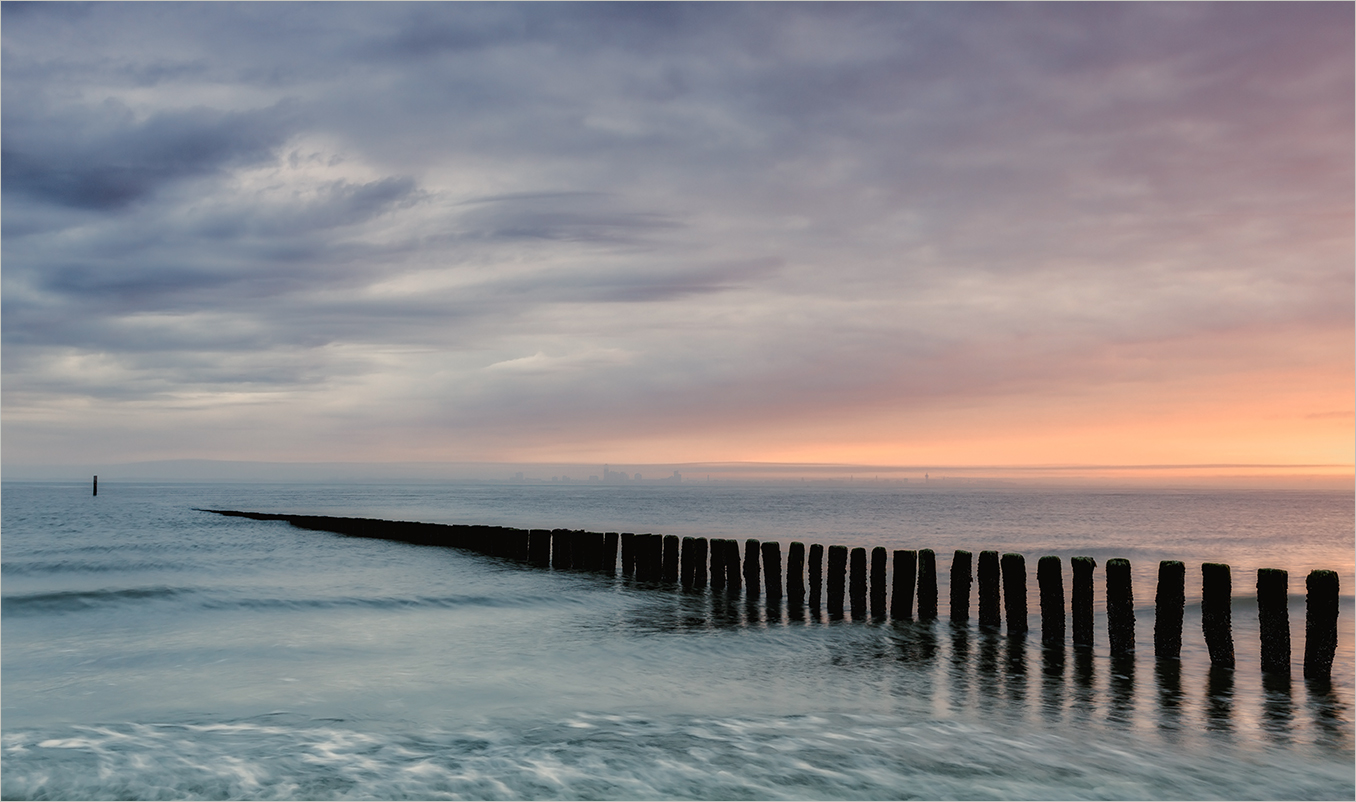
(104, 159)
(505, 223)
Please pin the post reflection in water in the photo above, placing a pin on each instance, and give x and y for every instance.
(1219, 699)
(1122, 691)
(692, 611)
(1084, 682)
(915, 644)
(1052, 681)
(960, 665)
(1168, 673)
(772, 613)
(1328, 712)
(723, 611)
(986, 669)
(753, 612)
(1015, 669)
(1278, 709)
(987, 676)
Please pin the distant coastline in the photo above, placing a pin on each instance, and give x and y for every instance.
(1222, 476)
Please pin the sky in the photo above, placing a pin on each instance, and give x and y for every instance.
(881, 234)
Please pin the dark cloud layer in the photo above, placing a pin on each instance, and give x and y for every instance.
(488, 228)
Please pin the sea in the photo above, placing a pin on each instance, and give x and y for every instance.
(150, 650)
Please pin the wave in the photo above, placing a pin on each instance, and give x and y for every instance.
(72, 600)
(40, 568)
(601, 756)
(23, 604)
(377, 603)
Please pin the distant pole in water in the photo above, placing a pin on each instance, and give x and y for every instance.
(96, 484)
(927, 584)
(751, 567)
(772, 570)
(988, 590)
(670, 558)
(878, 582)
(1168, 608)
(857, 582)
(795, 574)
(815, 571)
(1320, 623)
(1120, 607)
(1081, 603)
(1050, 579)
(1217, 613)
(960, 586)
(837, 578)
(1273, 618)
(699, 563)
(901, 595)
(1014, 592)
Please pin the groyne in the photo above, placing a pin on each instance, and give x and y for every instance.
(695, 563)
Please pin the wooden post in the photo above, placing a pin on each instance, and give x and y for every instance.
(1169, 603)
(699, 563)
(772, 570)
(795, 574)
(857, 582)
(878, 582)
(717, 563)
(628, 553)
(989, 594)
(578, 552)
(1273, 618)
(751, 567)
(1050, 579)
(685, 567)
(815, 571)
(732, 573)
(670, 558)
(960, 586)
(539, 547)
(838, 556)
(927, 584)
(1081, 602)
(901, 595)
(642, 556)
(560, 548)
(656, 569)
(1120, 607)
(1320, 623)
(1014, 592)
(597, 551)
(1217, 613)
(640, 545)
(96, 484)
(610, 553)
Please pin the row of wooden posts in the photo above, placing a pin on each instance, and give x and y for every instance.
(696, 562)
(667, 558)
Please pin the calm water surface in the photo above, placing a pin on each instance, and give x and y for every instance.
(152, 651)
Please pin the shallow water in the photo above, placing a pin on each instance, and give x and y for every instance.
(152, 651)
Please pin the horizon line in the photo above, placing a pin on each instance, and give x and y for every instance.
(731, 464)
